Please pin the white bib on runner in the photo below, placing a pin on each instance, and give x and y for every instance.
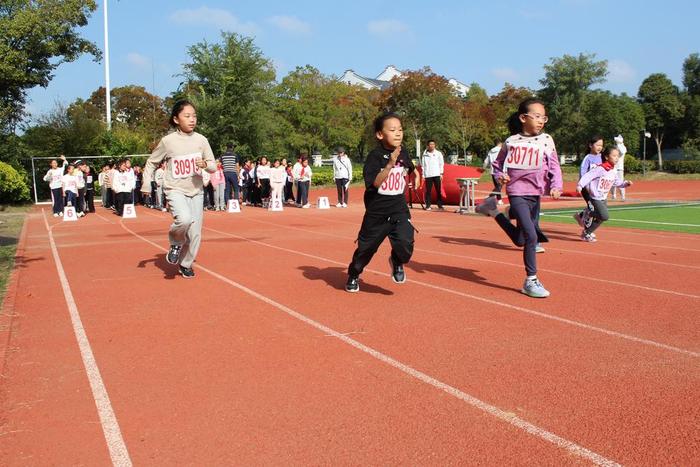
(184, 166)
(605, 183)
(394, 184)
(524, 155)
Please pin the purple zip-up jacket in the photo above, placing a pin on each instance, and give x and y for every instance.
(590, 162)
(530, 181)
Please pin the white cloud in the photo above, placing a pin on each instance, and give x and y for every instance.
(291, 25)
(138, 60)
(387, 27)
(620, 71)
(218, 18)
(505, 74)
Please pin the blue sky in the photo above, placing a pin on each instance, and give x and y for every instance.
(488, 42)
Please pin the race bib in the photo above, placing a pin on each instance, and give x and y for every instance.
(89, 178)
(394, 184)
(604, 185)
(184, 166)
(524, 155)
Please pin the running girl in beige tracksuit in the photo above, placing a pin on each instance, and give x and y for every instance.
(185, 154)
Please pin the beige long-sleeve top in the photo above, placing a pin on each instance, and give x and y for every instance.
(180, 150)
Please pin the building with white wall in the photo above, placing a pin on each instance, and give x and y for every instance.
(383, 80)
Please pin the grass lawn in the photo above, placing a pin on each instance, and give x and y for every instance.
(683, 217)
(11, 220)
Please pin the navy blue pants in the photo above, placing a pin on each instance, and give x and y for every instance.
(231, 179)
(526, 211)
(57, 197)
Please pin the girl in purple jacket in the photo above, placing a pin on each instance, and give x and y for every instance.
(598, 182)
(528, 166)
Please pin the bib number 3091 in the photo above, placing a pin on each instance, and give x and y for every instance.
(394, 183)
(184, 166)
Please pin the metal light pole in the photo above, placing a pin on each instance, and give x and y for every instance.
(108, 98)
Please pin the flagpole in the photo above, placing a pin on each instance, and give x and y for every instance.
(108, 98)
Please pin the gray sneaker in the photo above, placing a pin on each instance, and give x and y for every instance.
(488, 207)
(539, 248)
(534, 288)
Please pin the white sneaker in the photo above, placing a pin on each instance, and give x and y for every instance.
(339, 205)
(81, 214)
(55, 214)
(428, 209)
(163, 209)
(586, 237)
(534, 288)
(306, 206)
(500, 202)
(345, 205)
(539, 248)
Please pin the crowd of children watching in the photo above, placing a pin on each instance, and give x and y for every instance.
(258, 181)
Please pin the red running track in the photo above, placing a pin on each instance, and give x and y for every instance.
(264, 359)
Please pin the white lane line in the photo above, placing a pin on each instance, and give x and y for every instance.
(454, 255)
(625, 208)
(110, 427)
(492, 410)
(634, 221)
(485, 300)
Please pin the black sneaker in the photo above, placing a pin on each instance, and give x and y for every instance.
(353, 284)
(174, 254)
(187, 273)
(397, 273)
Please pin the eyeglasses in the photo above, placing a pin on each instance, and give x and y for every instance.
(542, 118)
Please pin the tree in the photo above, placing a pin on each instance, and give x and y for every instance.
(322, 111)
(231, 84)
(662, 107)
(691, 74)
(427, 104)
(691, 101)
(566, 81)
(609, 115)
(37, 37)
(503, 105)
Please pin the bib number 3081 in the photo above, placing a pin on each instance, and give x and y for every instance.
(394, 183)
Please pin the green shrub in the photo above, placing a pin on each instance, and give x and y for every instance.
(323, 176)
(634, 165)
(13, 187)
(682, 167)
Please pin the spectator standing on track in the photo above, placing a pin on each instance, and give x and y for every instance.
(122, 187)
(289, 183)
(528, 165)
(278, 178)
(80, 183)
(105, 185)
(55, 178)
(342, 173)
(262, 171)
(218, 182)
(433, 163)
(488, 165)
(230, 163)
(70, 186)
(302, 176)
(89, 176)
(598, 182)
(159, 179)
(185, 153)
(386, 211)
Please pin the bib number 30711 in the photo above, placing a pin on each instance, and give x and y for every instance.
(394, 184)
(523, 156)
(184, 166)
